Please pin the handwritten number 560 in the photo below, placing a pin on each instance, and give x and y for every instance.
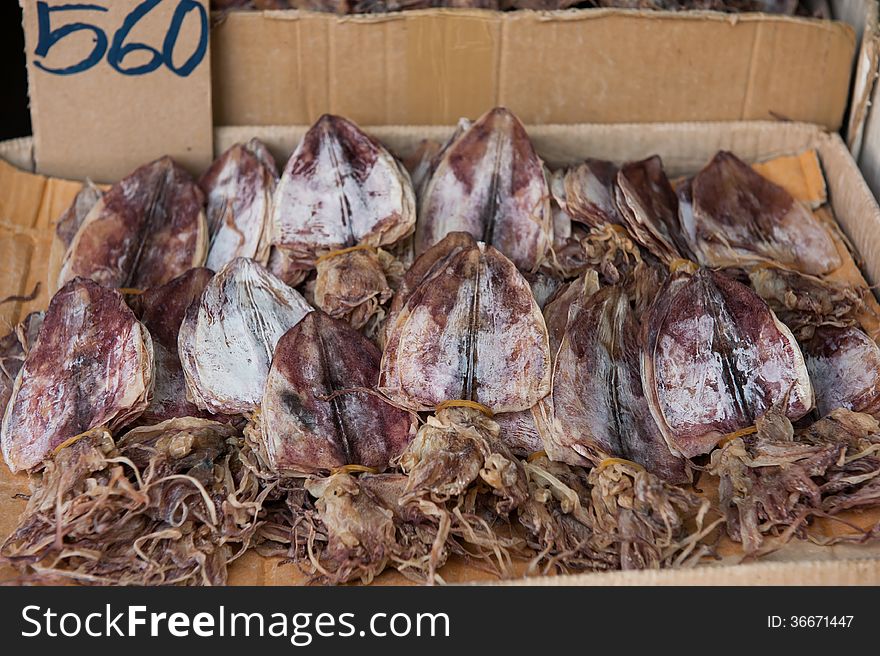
(120, 48)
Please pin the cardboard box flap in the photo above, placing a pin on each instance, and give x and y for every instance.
(29, 206)
(864, 17)
(577, 66)
(801, 175)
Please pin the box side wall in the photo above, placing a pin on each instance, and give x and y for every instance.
(855, 206)
(602, 66)
(869, 154)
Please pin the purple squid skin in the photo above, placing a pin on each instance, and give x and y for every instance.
(490, 183)
(715, 359)
(598, 406)
(306, 430)
(844, 365)
(92, 365)
(147, 229)
(471, 329)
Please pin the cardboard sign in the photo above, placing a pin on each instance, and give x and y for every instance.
(117, 83)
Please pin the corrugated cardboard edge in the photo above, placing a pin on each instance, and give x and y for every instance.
(819, 572)
(852, 203)
(559, 14)
(866, 73)
(29, 206)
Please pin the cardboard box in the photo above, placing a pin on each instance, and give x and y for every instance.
(576, 66)
(29, 204)
(432, 67)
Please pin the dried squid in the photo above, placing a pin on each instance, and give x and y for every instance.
(166, 504)
(456, 447)
(91, 366)
(490, 183)
(358, 530)
(320, 414)
(307, 424)
(226, 340)
(14, 347)
(429, 154)
(715, 359)
(597, 408)
(775, 480)
(353, 284)
(558, 309)
(613, 516)
(557, 416)
(429, 263)
(340, 188)
(148, 228)
(68, 223)
(162, 309)
(586, 192)
(738, 218)
(588, 228)
(608, 249)
(602, 490)
(469, 330)
(467, 341)
(844, 366)
(804, 302)
(238, 188)
(346, 527)
(519, 432)
(649, 208)
(357, 526)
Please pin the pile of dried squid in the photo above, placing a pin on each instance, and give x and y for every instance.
(359, 365)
